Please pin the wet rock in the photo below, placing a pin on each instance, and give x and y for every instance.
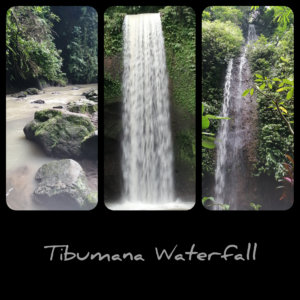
(38, 101)
(82, 106)
(91, 94)
(62, 184)
(20, 95)
(90, 146)
(94, 119)
(32, 91)
(59, 134)
(58, 107)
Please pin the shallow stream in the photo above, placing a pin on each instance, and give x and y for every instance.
(24, 157)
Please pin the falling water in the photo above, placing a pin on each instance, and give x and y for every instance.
(234, 136)
(147, 163)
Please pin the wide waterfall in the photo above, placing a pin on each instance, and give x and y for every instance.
(234, 155)
(147, 150)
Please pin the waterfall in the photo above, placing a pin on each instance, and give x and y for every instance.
(234, 135)
(147, 162)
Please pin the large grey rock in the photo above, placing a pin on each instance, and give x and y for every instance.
(62, 184)
(59, 134)
(82, 106)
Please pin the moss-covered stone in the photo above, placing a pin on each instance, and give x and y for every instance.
(60, 135)
(82, 106)
(32, 91)
(44, 115)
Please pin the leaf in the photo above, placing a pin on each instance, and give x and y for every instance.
(258, 76)
(270, 86)
(251, 91)
(281, 84)
(287, 81)
(246, 92)
(202, 108)
(262, 86)
(204, 199)
(258, 80)
(290, 94)
(276, 79)
(283, 89)
(208, 142)
(205, 122)
(289, 158)
(289, 180)
(208, 133)
(283, 109)
(216, 117)
(284, 59)
(283, 196)
(226, 206)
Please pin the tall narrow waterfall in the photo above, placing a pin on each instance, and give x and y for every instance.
(147, 163)
(235, 135)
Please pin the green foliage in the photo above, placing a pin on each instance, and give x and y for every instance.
(83, 48)
(186, 147)
(220, 42)
(225, 13)
(211, 202)
(255, 206)
(208, 138)
(112, 88)
(272, 63)
(179, 31)
(180, 34)
(113, 38)
(30, 50)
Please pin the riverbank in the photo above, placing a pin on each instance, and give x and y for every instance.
(23, 157)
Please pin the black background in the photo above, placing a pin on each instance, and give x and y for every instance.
(25, 233)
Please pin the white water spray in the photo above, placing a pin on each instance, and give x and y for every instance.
(147, 163)
(234, 134)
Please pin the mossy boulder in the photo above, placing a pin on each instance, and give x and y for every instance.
(59, 134)
(82, 106)
(91, 94)
(62, 184)
(32, 91)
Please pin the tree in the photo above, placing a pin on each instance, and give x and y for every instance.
(83, 48)
(30, 50)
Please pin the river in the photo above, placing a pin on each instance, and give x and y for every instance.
(23, 157)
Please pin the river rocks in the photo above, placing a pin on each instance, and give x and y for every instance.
(91, 94)
(20, 95)
(62, 184)
(59, 134)
(32, 91)
(38, 101)
(82, 106)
